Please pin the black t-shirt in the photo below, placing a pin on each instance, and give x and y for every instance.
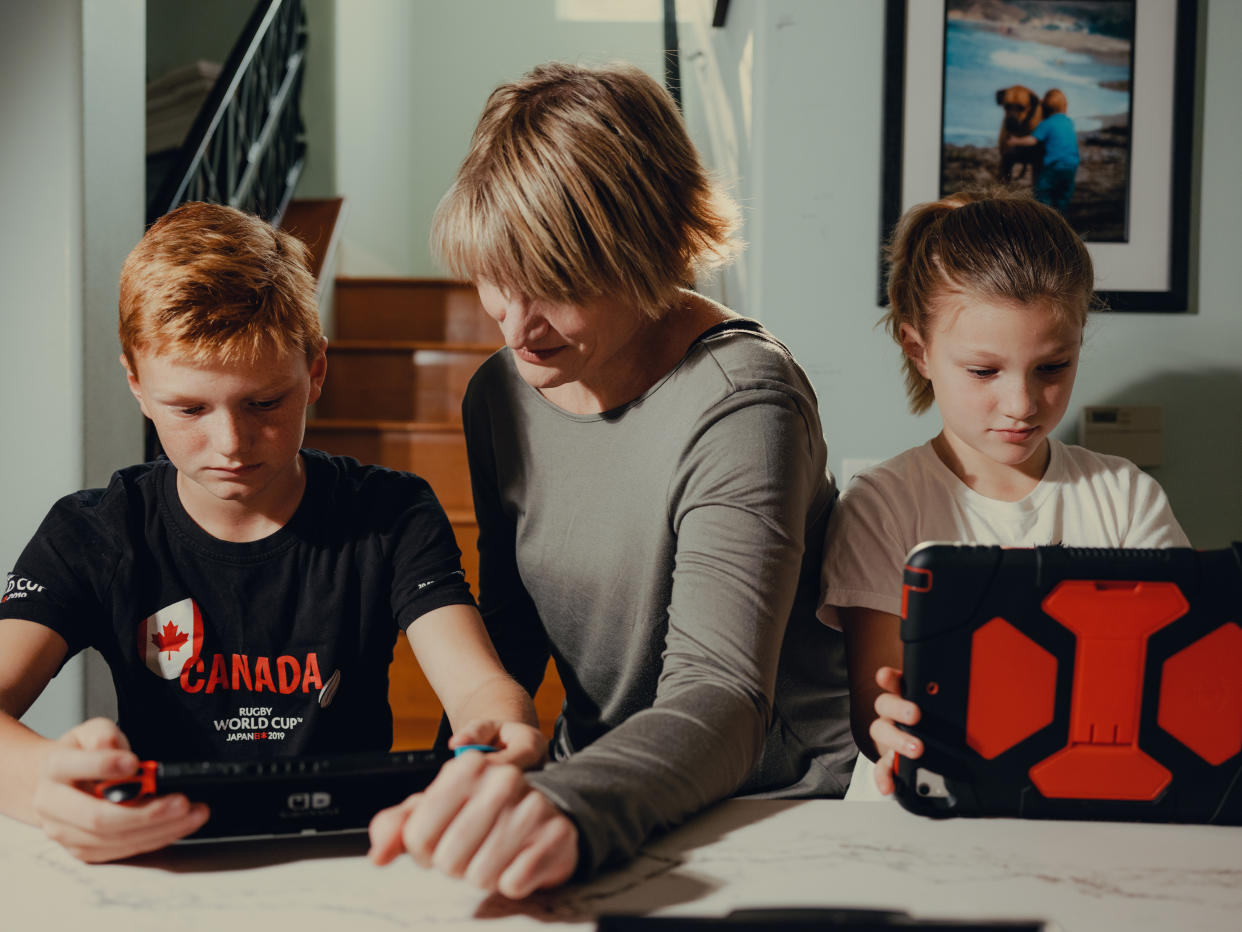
(239, 651)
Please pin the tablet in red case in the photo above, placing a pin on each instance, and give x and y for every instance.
(1074, 683)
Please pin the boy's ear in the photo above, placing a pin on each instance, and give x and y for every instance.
(914, 348)
(318, 371)
(134, 387)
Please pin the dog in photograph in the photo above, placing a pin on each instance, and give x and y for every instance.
(1023, 112)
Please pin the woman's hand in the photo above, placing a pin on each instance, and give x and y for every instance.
(93, 829)
(516, 743)
(481, 821)
(890, 709)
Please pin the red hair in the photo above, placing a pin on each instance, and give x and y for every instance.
(208, 282)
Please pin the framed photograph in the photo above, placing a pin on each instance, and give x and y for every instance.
(1087, 104)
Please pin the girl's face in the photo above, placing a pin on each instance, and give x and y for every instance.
(1002, 374)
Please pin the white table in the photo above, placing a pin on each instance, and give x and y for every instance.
(1082, 875)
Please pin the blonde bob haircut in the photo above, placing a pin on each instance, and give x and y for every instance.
(209, 283)
(994, 244)
(582, 182)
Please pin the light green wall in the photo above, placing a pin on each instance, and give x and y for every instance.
(411, 80)
(804, 156)
(812, 200)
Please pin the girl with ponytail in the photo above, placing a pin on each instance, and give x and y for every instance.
(988, 298)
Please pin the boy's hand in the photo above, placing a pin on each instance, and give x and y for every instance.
(93, 829)
(516, 743)
(890, 708)
(483, 822)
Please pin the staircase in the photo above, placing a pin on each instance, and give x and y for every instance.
(400, 354)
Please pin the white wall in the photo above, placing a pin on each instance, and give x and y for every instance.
(719, 87)
(113, 121)
(113, 194)
(41, 267)
(57, 297)
(411, 80)
(812, 218)
(319, 101)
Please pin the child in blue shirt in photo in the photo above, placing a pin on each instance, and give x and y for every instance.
(1054, 184)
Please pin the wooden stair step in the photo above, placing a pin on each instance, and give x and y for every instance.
(417, 710)
(437, 452)
(402, 353)
(398, 380)
(411, 309)
(316, 222)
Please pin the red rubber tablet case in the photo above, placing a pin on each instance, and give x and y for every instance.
(1074, 683)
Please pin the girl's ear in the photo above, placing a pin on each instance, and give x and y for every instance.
(913, 346)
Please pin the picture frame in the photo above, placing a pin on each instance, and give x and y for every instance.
(1150, 270)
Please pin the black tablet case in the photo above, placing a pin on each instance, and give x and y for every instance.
(1074, 683)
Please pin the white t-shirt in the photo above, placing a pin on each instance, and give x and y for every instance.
(1085, 499)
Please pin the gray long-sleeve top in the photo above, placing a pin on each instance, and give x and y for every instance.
(667, 553)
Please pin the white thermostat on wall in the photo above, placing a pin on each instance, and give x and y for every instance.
(1133, 431)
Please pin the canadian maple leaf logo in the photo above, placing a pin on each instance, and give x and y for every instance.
(170, 638)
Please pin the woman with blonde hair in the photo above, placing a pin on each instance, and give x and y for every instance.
(650, 484)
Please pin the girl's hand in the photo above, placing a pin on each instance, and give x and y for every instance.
(93, 829)
(483, 822)
(890, 708)
(516, 743)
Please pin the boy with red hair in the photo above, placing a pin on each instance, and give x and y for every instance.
(245, 592)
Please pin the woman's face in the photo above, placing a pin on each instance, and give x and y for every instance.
(593, 346)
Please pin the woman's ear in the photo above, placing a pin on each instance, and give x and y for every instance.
(913, 346)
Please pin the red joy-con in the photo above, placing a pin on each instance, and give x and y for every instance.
(126, 789)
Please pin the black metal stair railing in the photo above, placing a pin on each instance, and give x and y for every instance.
(247, 146)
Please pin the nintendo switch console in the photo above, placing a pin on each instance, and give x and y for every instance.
(1074, 683)
(284, 797)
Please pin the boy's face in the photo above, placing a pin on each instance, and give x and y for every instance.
(232, 430)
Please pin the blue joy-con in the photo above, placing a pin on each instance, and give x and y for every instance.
(485, 748)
